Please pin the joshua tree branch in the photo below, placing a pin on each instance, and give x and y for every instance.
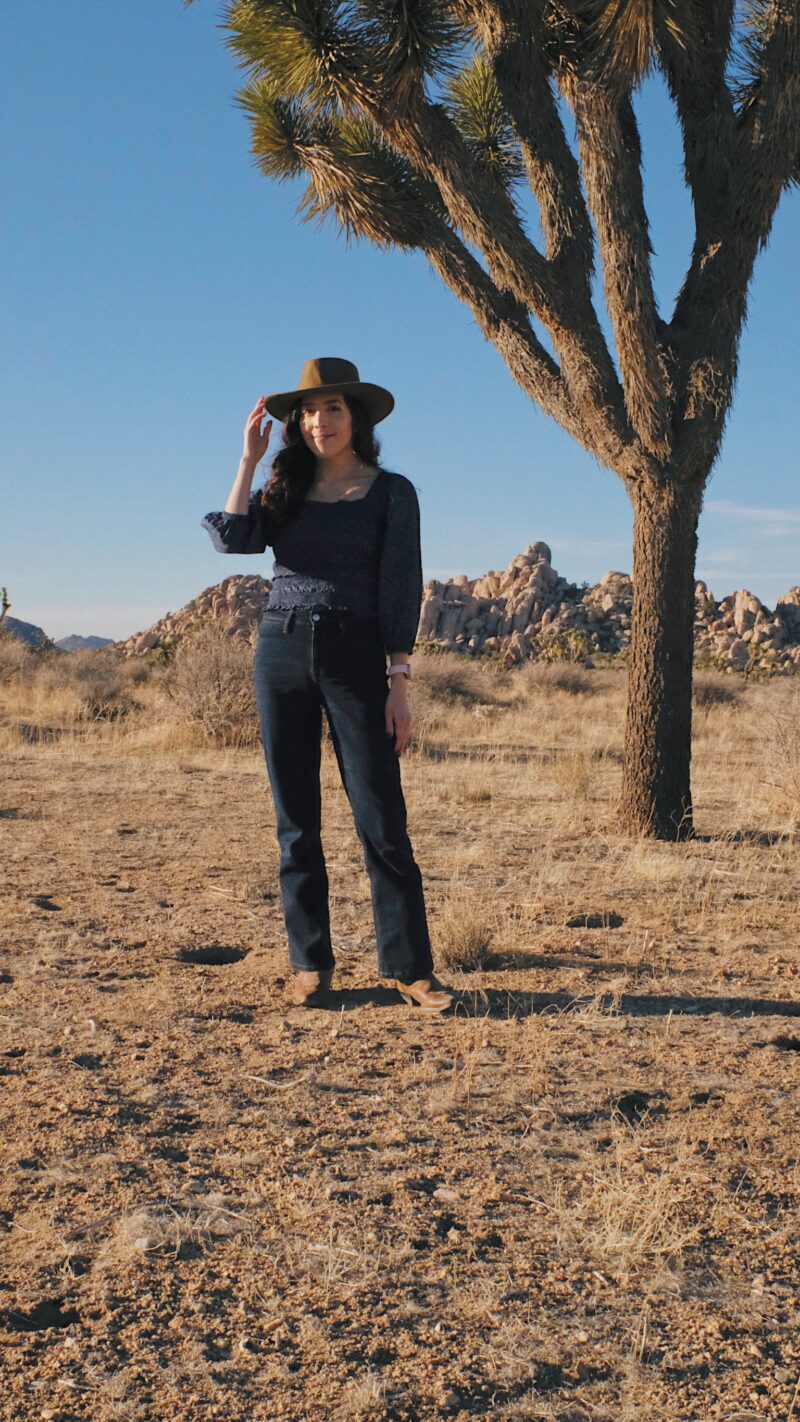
(706, 113)
(429, 139)
(735, 192)
(356, 192)
(430, 142)
(504, 321)
(770, 120)
(355, 189)
(508, 32)
(608, 139)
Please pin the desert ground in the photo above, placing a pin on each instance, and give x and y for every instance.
(573, 1199)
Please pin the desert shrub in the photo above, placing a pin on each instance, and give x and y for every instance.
(96, 684)
(209, 684)
(782, 754)
(558, 676)
(463, 937)
(16, 658)
(453, 679)
(569, 646)
(573, 773)
(719, 690)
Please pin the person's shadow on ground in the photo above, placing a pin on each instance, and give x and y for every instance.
(505, 1003)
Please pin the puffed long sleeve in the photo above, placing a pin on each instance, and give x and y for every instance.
(400, 569)
(240, 533)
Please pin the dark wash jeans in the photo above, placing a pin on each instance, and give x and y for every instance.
(308, 659)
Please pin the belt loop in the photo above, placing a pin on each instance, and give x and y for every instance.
(288, 621)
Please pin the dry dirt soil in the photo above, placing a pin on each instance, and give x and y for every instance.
(575, 1198)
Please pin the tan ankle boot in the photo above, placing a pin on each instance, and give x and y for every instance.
(426, 994)
(310, 989)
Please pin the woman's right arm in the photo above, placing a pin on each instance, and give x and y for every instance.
(241, 527)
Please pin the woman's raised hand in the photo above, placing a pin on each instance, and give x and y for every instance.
(256, 443)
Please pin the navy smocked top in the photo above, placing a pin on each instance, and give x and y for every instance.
(361, 554)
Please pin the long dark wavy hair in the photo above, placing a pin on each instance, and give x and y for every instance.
(294, 466)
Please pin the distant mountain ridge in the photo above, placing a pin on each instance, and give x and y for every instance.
(26, 631)
(37, 637)
(74, 643)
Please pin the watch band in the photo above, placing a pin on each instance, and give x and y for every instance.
(403, 667)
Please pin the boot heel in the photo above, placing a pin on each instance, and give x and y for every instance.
(427, 995)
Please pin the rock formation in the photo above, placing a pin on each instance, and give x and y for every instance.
(237, 601)
(528, 610)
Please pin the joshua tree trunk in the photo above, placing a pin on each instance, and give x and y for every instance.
(408, 143)
(656, 791)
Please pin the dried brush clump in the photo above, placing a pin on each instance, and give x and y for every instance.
(365, 1400)
(68, 689)
(16, 658)
(463, 937)
(566, 677)
(172, 1228)
(452, 680)
(720, 690)
(573, 773)
(103, 683)
(782, 755)
(634, 1212)
(209, 686)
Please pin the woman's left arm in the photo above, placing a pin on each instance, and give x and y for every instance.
(400, 597)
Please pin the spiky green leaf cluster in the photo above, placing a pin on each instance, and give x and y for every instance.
(317, 67)
(756, 26)
(279, 127)
(353, 173)
(476, 105)
(305, 48)
(413, 40)
(371, 191)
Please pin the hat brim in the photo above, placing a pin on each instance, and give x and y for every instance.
(378, 401)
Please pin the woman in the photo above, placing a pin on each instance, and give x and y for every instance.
(346, 592)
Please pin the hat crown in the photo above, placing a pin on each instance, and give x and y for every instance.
(332, 374)
(327, 370)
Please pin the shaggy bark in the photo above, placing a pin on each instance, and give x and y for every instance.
(512, 39)
(656, 793)
(611, 154)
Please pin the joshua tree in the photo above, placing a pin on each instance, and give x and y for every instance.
(420, 124)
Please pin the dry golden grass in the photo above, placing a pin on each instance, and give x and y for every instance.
(574, 1199)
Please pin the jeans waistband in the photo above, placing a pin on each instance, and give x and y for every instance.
(320, 613)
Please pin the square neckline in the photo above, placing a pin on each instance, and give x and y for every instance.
(361, 500)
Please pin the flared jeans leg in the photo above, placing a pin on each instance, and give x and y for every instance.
(337, 664)
(290, 713)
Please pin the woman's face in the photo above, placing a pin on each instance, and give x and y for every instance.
(326, 424)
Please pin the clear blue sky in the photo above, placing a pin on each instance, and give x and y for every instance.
(156, 285)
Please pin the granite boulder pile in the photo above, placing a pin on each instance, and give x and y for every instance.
(528, 610)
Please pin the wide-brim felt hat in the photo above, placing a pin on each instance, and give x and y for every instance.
(330, 373)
